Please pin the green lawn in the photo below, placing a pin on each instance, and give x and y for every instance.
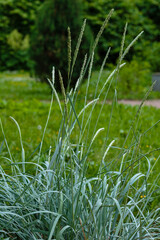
(28, 102)
(20, 86)
(132, 89)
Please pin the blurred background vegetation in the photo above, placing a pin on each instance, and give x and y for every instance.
(30, 32)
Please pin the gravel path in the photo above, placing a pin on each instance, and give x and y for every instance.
(153, 103)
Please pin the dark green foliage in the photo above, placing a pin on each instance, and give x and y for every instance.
(135, 77)
(16, 21)
(140, 16)
(49, 40)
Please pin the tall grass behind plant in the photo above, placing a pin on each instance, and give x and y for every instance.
(60, 201)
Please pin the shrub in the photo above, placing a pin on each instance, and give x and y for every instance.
(136, 77)
(59, 201)
(50, 38)
(140, 15)
(17, 19)
(152, 55)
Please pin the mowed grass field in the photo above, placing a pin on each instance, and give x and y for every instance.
(28, 102)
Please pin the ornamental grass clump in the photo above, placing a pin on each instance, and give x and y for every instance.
(61, 199)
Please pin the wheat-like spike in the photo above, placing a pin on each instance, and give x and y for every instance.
(81, 73)
(122, 44)
(78, 44)
(102, 29)
(121, 51)
(53, 75)
(131, 44)
(63, 92)
(69, 51)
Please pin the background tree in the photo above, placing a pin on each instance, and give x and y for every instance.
(140, 16)
(16, 21)
(49, 40)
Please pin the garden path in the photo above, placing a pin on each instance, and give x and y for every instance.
(153, 103)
